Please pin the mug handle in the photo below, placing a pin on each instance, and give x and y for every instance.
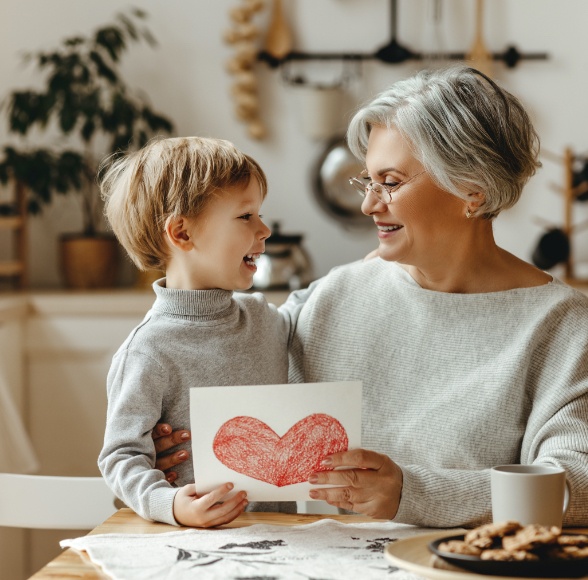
(567, 495)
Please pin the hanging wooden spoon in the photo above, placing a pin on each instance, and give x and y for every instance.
(278, 42)
(479, 54)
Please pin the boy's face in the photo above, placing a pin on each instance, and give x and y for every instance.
(227, 239)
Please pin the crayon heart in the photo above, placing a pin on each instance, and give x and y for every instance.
(248, 446)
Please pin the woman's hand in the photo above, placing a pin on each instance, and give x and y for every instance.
(208, 510)
(165, 439)
(370, 484)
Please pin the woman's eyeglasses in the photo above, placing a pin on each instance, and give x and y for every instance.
(383, 191)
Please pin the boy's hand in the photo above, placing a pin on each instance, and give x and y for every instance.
(208, 510)
(164, 439)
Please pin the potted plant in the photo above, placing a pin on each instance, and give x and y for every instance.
(89, 112)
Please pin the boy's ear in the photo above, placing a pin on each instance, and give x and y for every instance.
(177, 233)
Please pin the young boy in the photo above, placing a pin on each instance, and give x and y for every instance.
(189, 206)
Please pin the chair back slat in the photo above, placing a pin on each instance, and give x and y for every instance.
(54, 502)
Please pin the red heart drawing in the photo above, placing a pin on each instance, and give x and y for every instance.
(248, 446)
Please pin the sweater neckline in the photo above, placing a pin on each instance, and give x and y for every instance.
(194, 303)
(410, 280)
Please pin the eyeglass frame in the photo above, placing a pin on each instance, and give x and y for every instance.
(363, 189)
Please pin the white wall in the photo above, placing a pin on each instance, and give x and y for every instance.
(186, 79)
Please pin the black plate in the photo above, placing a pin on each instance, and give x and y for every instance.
(529, 569)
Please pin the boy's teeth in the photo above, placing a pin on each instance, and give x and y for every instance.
(388, 228)
(251, 257)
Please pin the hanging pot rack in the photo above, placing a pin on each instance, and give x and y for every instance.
(394, 53)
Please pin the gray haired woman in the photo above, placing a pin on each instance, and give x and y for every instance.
(470, 357)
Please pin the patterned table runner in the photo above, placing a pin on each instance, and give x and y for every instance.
(324, 550)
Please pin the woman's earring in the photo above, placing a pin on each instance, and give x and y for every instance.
(469, 214)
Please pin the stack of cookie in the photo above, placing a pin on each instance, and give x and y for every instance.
(510, 541)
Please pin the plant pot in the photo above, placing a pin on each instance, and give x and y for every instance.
(89, 262)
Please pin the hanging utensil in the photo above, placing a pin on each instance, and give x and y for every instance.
(433, 52)
(553, 248)
(479, 54)
(278, 42)
(331, 185)
(394, 52)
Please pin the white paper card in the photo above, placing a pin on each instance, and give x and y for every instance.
(267, 439)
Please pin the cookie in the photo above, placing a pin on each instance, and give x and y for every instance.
(531, 537)
(459, 547)
(503, 555)
(575, 540)
(485, 536)
(569, 552)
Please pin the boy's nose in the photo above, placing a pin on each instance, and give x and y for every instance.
(265, 232)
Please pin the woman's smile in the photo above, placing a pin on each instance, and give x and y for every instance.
(386, 231)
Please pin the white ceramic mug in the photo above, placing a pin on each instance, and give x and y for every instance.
(529, 494)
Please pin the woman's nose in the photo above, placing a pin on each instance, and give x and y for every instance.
(371, 204)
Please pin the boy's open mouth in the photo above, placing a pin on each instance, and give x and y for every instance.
(249, 259)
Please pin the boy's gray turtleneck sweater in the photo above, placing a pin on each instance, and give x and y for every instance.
(190, 338)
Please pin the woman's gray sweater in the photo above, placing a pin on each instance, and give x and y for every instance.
(453, 384)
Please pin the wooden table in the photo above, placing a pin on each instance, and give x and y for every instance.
(71, 564)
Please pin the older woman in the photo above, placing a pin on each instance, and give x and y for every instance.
(469, 356)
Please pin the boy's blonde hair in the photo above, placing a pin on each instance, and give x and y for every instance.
(168, 178)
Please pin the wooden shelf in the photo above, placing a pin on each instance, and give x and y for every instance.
(11, 223)
(8, 269)
(15, 268)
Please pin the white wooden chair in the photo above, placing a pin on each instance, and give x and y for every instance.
(54, 502)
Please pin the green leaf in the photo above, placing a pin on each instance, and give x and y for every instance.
(69, 115)
(34, 207)
(111, 38)
(156, 122)
(75, 41)
(102, 68)
(139, 13)
(129, 26)
(88, 129)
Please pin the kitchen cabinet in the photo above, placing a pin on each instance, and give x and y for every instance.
(12, 316)
(70, 340)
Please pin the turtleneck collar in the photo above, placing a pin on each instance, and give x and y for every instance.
(194, 303)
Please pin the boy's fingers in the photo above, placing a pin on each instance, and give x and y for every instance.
(217, 498)
(225, 518)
